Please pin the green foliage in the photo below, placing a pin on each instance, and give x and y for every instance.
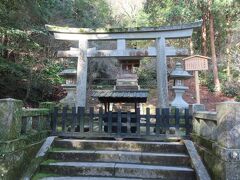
(91, 13)
(11, 68)
(26, 13)
(18, 41)
(206, 79)
(26, 73)
(51, 73)
(171, 12)
(237, 98)
(147, 73)
(231, 89)
(28, 68)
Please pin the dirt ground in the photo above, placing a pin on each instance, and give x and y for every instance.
(209, 99)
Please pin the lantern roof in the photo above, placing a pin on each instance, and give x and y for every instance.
(179, 72)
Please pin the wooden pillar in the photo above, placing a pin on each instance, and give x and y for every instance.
(105, 107)
(162, 82)
(197, 88)
(135, 107)
(82, 67)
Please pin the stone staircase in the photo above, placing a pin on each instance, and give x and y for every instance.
(108, 159)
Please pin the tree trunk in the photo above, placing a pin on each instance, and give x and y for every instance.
(29, 86)
(4, 43)
(228, 49)
(204, 34)
(213, 51)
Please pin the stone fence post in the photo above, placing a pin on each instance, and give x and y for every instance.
(228, 138)
(228, 125)
(217, 136)
(10, 118)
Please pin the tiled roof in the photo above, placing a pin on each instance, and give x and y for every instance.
(121, 96)
(120, 93)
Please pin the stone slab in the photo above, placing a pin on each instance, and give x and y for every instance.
(228, 122)
(10, 118)
(140, 146)
(200, 169)
(148, 171)
(175, 159)
(79, 168)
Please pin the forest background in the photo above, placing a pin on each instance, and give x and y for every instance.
(29, 67)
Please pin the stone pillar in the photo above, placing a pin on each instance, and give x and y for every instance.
(162, 82)
(121, 44)
(228, 138)
(82, 67)
(228, 125)
(10, 119)
(121, 47)
(217, 136)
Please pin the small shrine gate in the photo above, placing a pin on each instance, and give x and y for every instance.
(160, 51)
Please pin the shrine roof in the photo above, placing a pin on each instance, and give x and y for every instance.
(60, 29)
(118, 96)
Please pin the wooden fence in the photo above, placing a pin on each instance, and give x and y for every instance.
(77, 122)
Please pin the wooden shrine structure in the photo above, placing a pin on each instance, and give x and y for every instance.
(161, 51)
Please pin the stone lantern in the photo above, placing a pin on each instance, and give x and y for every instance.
(70, 76)
(179, 75)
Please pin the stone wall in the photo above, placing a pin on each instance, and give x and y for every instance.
(22, 133)
(217, 138)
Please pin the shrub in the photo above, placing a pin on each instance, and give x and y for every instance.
(231, 89)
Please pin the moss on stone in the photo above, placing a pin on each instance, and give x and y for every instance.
(43, 175)
(22, 142)
(15, 163)
(54, 149)
(47, 105)
(35, 112)
(213, 163)
(203, 141)
(10, 118)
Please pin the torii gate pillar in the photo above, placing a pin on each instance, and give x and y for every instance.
(82, 66)
(162, 82)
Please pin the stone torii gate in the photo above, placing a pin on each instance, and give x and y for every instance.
(160, 51)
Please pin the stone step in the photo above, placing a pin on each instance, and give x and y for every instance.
(136, 146)
(117, 170)
(167, 159)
